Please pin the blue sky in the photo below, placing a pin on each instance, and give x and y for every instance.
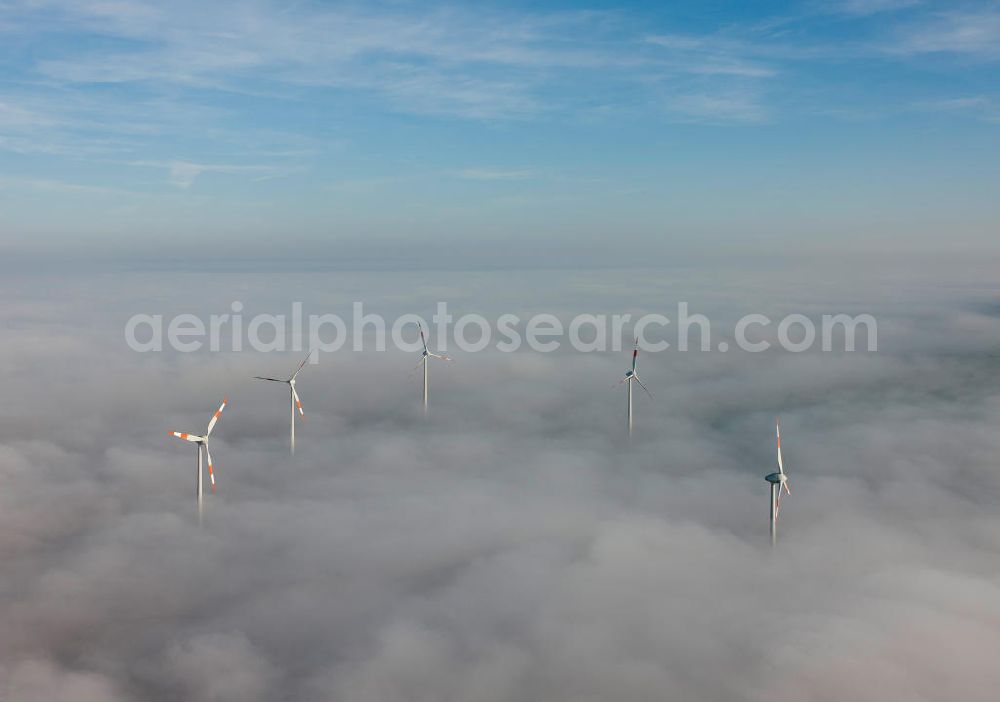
(375, 132)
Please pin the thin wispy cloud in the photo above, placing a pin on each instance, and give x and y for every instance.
(975, 106)
(717, 108)
(15, 117)
(56, 186)
(712, 55)
(294, 97)
(496, 174)
(872, 7)
(967, 33)
(182, 174)
(439, 60)
(413, 58)
(436, 62)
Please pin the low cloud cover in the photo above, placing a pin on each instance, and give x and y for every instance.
(513, 546)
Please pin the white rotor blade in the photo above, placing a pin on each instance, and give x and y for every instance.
(636, 376)
(273, 380)
(193, 438)
(781, 464)
(777, 429)
(215, 417)
(302, 365)
(635, 353)
(620, 382)
(441, 356)
(298, 403)
(422, 339)
(211, 468)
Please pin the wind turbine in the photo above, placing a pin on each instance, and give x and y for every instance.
(778, 480)
(631, 376)
(202, 442)
(293, 397)
(424, 357)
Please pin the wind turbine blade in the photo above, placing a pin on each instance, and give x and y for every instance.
(274, 380)
(298, 403)
(422, 339)
(211, 469)
(193, 438)
(215, 418)
(635, 353)
(787, 489)
(416, 367)
(442, 356)
(643, 386)
(777, 429)
(302, 365)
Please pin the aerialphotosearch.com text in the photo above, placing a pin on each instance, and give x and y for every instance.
(470, 333)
